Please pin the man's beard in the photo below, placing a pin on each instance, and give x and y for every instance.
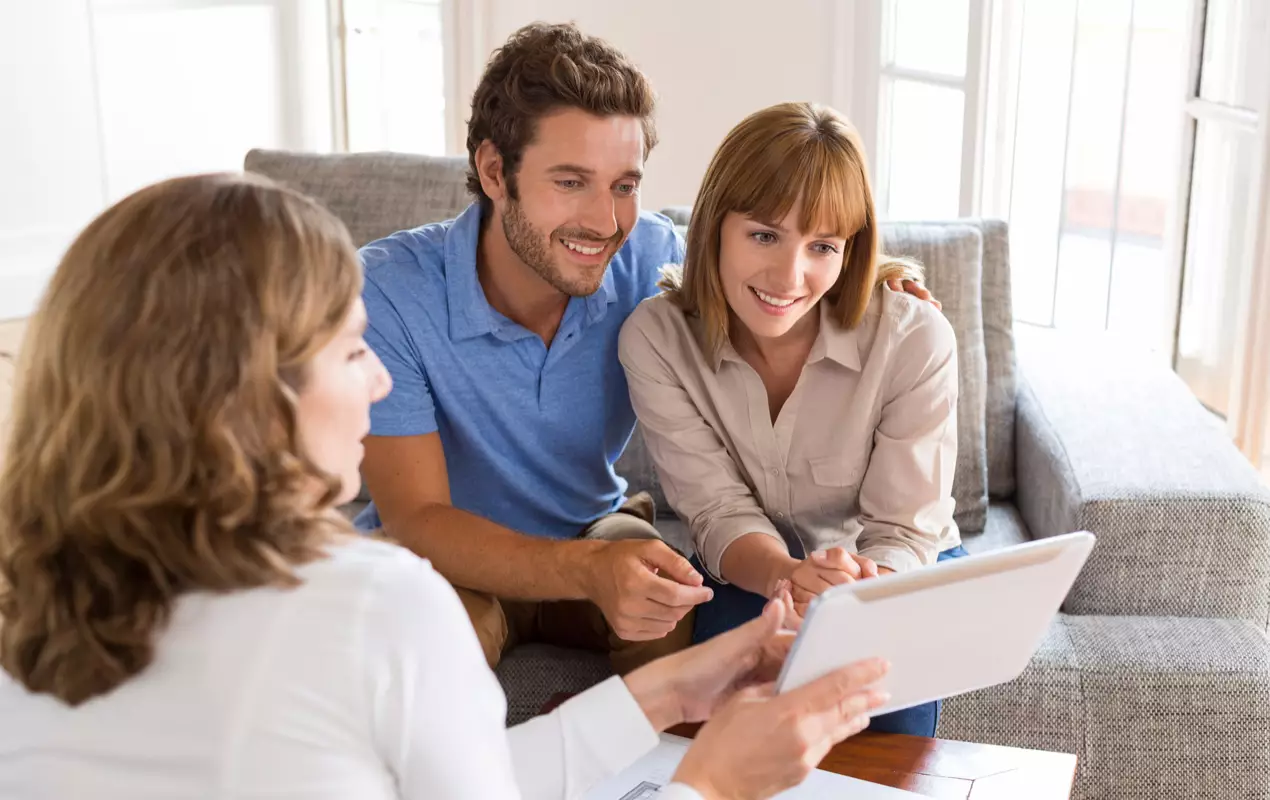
(531, 247)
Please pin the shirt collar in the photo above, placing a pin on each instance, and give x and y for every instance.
(835, 342)
(832, 342)
(470, 312)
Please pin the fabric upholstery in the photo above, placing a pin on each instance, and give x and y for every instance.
(998, 342)
(531, 674)
(1183, 521)
(1005, 528)
(637, 467)
(375, 194)
(952, 255)
(1155, 708)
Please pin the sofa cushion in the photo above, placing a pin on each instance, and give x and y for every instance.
(1154, 707)
(375, 194)
(1005, 528)
(998, 345)
(952, 254)
(533, 673)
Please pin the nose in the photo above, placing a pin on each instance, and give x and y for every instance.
(380, 382)
(789, 271)
(599, 216)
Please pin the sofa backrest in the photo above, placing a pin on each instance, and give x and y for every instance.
(967, 264)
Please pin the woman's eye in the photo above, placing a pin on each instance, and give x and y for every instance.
(825, 249)
(763, 237)
(357, 355)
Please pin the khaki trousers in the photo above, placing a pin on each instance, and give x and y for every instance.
(502, 624)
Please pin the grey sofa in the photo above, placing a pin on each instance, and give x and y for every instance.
(1157, 672)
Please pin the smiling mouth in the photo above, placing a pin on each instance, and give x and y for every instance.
(774, 301)
(578, 247)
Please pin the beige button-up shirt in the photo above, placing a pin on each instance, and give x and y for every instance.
(861, 455)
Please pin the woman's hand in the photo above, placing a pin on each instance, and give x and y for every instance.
(825, 568)
(818, 572)
(690, 685)
(760, 744)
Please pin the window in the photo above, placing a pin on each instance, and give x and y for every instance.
(170, 102)
(394, 77)
(927, 78)
(1126, 143)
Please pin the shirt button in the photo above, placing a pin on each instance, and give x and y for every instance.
(774, 471)
(779, 515)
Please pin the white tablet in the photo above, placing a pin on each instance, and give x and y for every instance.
(947, 629)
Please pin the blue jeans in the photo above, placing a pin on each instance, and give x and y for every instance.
(732, 606)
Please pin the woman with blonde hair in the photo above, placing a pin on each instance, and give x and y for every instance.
(186, 615)
(802, 416)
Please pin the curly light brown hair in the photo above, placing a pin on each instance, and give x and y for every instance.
(545, 68)
(154, 448)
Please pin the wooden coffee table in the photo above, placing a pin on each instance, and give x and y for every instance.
(941, 768)
(945, 769)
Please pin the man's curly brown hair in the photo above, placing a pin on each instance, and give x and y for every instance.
(544, 68)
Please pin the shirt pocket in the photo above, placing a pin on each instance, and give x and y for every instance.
(836, 486)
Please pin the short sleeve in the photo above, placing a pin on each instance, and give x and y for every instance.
(408, 410)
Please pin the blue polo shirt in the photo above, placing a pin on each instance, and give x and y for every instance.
(530, 433)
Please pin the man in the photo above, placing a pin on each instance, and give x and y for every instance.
(493, 456)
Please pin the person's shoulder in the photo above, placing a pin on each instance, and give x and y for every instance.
(659, 318)
(419, 252)
(657, 326)
(363, 562)
(916, 323)
(651, 245)
(421, 246)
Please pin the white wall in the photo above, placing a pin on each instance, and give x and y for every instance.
(712, 62)
(50, 161)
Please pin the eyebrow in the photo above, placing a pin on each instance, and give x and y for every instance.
(637, 174)
(782, 229)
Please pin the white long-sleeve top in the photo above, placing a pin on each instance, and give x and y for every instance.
(366, 681)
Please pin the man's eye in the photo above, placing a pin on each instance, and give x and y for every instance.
(568, 183)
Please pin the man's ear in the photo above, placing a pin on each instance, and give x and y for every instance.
(489, 168)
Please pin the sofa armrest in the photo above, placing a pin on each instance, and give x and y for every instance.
(1111, 442)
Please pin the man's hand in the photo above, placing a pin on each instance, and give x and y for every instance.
(643, 587)
(689, 686)
(915, 288)
(760, 744)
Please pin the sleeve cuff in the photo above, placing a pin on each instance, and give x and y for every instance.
(678, 791)
(719, 536)
(895, 558)
(607, 723)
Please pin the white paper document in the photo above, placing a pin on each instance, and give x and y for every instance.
(642, 780)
